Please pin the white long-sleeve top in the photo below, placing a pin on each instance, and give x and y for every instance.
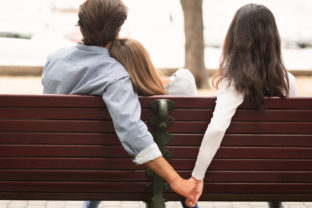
(228, 100)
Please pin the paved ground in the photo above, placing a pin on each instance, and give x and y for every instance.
(125, 204)
(32, 85)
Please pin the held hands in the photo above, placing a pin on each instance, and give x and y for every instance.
(185, 188)
(197, 192)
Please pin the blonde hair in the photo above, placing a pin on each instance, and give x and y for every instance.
(135, 58)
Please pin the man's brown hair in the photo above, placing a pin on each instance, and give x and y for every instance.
(99, 20)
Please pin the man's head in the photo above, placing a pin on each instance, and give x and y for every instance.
(100, 21)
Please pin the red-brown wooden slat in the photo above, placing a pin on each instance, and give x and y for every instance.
(259, 188)
(140, 175)
(77, 196)
(55, 113)
(258, 140)
(51, 101)
(138, 187)
(75, 175)
(59, 138)
(62, 151)
(261, 140)
(182, 164)
(180, 101)
(243, 115)
(246, 127)
(197, 102)
(178, 127)
(178, 114)
(61, 113)
(257, 176)
(146, 196)
(178, 152)
(56, 126)
(246, 152)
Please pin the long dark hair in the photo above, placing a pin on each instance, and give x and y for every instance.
(251, 56)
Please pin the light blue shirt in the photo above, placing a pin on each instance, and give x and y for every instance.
(90, 70)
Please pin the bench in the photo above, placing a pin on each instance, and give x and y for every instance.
(63, 147)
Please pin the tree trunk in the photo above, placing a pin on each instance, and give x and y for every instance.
(194, 40)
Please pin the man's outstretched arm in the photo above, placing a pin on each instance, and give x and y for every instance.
(125, 110)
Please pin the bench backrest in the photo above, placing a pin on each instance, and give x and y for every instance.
(64, 147)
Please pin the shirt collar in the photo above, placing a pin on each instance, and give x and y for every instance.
(97, 49)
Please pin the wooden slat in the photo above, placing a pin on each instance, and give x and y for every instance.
(61, 113)
(178, 127)
(241, 140)
(180, 101)
(62, 151)
(73, 126)
(77, 196)
(139, 187)
(299, 103)
(258, 188)
(179, 164)
(73, 187)
(243, 115)
(55, 113)
(246, 127)
(259, 176)
(56, 126)
(178, 114)
(258, 140)
(246, 152)
(51, 101)
(147, 196)
(59, 138)
(75, 175)
(178, 152)
(140, 175)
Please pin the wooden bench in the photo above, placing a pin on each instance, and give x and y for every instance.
(63, 147)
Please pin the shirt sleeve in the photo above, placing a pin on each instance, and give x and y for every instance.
(228, 99)
(182, 82)
(292, 85)
(124, 107)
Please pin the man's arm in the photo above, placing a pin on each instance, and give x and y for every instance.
(125, 110)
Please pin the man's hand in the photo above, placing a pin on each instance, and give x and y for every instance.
(198, 191)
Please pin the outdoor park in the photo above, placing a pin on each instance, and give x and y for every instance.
(177, 34)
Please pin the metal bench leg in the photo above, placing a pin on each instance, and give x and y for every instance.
(161, 121)
(275, 204)
(147, 205)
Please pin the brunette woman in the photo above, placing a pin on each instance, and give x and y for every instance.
(251, 68)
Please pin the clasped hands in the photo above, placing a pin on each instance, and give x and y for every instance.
(190, 188)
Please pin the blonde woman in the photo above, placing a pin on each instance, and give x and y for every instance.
(144, 76)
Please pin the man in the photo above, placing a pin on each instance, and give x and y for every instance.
(87, 68)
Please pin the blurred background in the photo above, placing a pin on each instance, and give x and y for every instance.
(31, 30)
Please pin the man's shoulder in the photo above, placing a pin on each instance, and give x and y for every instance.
(59, 53)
